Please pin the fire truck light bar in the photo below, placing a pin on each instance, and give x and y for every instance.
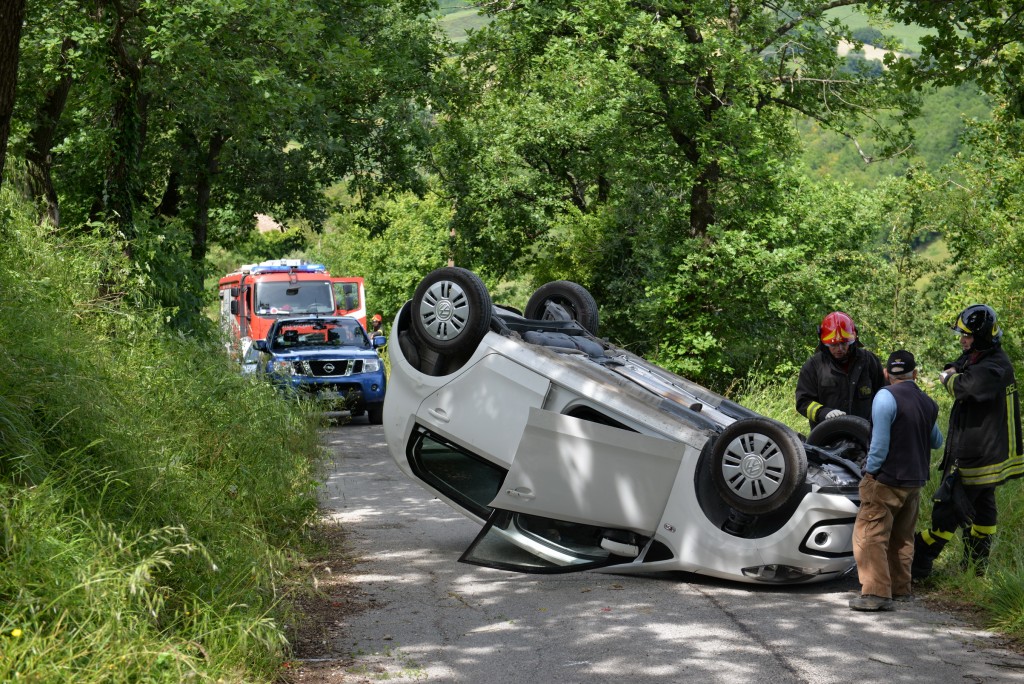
(283, 266)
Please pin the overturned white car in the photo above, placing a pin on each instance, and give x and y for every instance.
(575, 454)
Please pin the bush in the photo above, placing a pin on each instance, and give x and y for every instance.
(869, 36)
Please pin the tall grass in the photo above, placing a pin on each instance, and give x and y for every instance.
(1000, 592)
(149, 494)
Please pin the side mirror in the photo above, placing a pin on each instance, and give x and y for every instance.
(235, 291)
(379, 341)
(234, 307)
(261, 345)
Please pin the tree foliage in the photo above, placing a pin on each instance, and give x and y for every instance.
(392, 243)
(635, 146)
(184, 113)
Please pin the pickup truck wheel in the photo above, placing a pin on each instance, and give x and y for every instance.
(563, 300)
(375, 414)
(757, 465)
(451, 310)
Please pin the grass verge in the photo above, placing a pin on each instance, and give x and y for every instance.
(150, 496)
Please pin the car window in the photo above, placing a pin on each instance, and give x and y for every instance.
(470, 481)
(534, 544)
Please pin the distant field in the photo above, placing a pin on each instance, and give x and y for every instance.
(910, 36)
(937, 252)
(458, 23)
(458, 17)
(451, 6)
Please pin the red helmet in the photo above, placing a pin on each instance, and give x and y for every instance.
(837, 327)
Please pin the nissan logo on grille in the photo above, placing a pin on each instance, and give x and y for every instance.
(328, 367)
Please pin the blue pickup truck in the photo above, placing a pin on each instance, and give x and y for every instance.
(327, 358)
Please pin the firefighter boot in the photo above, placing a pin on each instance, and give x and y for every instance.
(926, 549)
(976, 550)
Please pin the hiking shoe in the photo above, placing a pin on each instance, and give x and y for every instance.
(870, 602)
(903, 598)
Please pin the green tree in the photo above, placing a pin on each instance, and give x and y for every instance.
(391, 243)
(164, 116)
(647, 151)
(980, 209)
(968, 41)
(689, 96)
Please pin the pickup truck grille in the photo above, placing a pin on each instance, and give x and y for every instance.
(328, 369)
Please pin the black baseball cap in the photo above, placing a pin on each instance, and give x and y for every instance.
(900, 361)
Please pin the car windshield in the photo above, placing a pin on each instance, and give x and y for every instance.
(294, 298)
(305, 334)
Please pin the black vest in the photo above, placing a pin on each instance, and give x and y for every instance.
(910, 442)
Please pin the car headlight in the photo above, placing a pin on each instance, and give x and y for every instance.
(371, 365)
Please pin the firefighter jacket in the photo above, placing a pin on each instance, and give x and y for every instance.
(823, 385)
(984, 435)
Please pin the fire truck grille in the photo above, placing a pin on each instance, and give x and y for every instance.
(328, 369)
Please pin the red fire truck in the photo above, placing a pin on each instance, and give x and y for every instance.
(256, 295)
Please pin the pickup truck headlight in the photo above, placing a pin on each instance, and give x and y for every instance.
(282, 367)
(371, 365)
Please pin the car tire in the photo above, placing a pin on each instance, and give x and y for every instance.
(757, 465)
(848, 435)
(550, 300)
(451, 311)
(375, 414)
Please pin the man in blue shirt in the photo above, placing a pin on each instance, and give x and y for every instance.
(903, 433)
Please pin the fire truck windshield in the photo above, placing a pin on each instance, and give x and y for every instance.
(294, 298)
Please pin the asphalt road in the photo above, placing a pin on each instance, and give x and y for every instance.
(431, 618)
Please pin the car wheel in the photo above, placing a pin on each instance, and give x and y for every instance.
(563, 300)
(375, 414)
(849, 436)
(451, 310)
(757, 465)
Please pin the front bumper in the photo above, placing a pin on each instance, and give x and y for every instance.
(352, 393)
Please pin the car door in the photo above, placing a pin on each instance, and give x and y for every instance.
(578, 495)
(486, 406)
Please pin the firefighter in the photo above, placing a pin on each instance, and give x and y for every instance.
(983, 440)
(841, 377)
(376, 324)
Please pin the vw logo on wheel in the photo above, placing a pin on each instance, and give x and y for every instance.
(753, 466)
(444, 310)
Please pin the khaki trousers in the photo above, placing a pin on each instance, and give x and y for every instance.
(883, 537)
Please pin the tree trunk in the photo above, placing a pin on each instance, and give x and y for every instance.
(702, 204)
(204, 185)
(128, 124)
(12, 13)
(170, 202)
(201, 219)
(40, 141)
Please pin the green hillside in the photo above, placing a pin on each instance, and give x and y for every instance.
(458, 17)
(937, 132)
